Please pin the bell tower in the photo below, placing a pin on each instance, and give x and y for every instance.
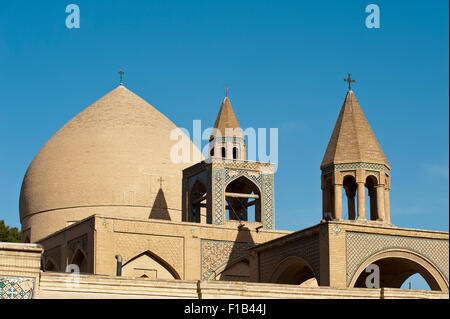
(227, 139)
(227, 189)
(354, 162)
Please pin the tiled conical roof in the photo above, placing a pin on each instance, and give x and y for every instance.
(353, 140)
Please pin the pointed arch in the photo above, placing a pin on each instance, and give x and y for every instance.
(79, 258)
(151, 265)
(240, 194)
(50, 265)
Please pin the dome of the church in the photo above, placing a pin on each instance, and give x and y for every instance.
(114, 159)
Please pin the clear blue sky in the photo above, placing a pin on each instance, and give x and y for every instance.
(285, 62)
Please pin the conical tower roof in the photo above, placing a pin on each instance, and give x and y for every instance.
(226, 119)
(353, 139)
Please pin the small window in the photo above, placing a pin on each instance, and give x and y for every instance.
(211, 152)
(235, 153)
(223, 152)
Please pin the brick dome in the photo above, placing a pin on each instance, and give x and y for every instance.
(113, 158)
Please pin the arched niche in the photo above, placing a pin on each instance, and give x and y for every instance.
(149, 265)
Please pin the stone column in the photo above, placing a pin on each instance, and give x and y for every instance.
(387, 206)
(338, 202)
(361, 201)
(380, 202)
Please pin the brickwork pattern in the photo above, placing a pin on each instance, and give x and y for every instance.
(216, 253)
(361, 246)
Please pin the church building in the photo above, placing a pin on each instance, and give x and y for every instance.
(104, 194)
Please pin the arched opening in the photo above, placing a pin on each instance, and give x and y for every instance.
(294, 271)
(197, 202)
(328, 200)
(223, 152)
(371, 183)
(243, 196)
(235, 153)
(211, 152)
(80, 260)
(396, 266)
(350, 186)
(149, 265)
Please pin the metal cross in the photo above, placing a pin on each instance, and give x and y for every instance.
(121, 73)
(349, 80)
(226, 90)
(161, 180)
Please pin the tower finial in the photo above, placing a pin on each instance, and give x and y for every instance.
(121, 73)
(349, 80)
(226, 90)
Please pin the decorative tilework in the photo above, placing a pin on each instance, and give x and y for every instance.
(361, 246)
(16, 288)
(232, 174)
(352, 166)
(268, 202)
(223, 171)
(337, 229)
(218, 196)
(216, 253)
(241, 164)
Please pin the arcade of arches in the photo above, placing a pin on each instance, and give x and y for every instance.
(377, 209)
